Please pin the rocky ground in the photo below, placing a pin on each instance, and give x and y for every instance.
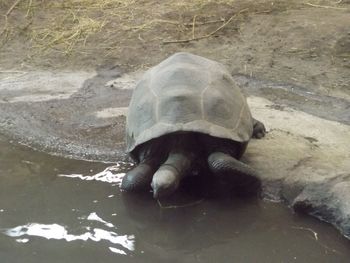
(67, 70)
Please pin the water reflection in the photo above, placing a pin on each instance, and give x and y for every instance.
(94, 217)
(58, 232)
(73, 211)
(111, 174)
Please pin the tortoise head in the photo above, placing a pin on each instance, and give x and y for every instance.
(165, 181)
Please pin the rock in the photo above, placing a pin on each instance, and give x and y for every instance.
(328, 201)
(304, 161)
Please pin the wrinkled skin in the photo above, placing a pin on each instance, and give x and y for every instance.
(165, 161)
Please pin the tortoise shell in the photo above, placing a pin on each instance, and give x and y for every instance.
(187, 93)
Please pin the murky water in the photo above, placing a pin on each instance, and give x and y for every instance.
(58, 210)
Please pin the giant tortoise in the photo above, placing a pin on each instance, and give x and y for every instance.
(184, 112)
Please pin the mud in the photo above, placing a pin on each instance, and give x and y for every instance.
(75, 121)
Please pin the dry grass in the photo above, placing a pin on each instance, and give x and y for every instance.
(80, 27)
(66, 32)
(70, 22)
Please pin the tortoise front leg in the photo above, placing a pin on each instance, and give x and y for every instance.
(140, 177)
(240, 176)
(150, 156)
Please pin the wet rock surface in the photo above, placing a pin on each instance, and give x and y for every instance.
(304, 160)
(84, 120)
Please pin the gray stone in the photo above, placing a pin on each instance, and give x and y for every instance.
(329, 201)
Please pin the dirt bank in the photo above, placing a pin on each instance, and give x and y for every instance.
(304, 43)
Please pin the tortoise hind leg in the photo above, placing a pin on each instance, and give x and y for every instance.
(259, 129)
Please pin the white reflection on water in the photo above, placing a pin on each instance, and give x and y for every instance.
(111, 174)
(94, 217)
(22, 240)
(116, 250)
(55, 231)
